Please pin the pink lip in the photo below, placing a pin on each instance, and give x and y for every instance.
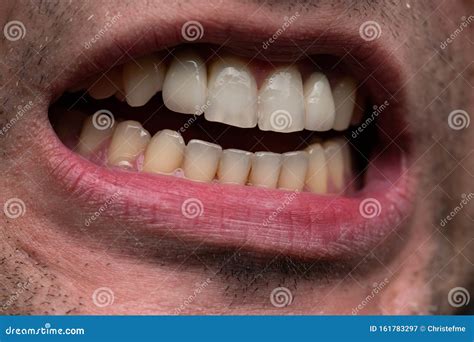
(303, 224)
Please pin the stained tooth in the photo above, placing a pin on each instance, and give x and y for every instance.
(319, 103)
(142, 79)
(234, 166)
(185, 85)
(317, 174)
(106, 85)
(164, 153)
(128, 142)
(293, 170)
(336, 154)
(265, 169)
(92, 138)
(232, 93)
(281, 102)
(344, 94)
(201, 160)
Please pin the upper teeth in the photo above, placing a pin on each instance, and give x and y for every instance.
(227, 92)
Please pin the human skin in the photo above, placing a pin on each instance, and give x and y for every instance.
(62, 263)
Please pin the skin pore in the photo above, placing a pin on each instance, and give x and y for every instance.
(50, 263)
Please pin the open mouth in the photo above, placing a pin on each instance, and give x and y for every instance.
(300, 156)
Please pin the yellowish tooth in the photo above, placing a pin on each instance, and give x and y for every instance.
(129, 141)
(201, 160)
(293, 170)
(234, 166)
(317, 174)
(335, 157)
(344, 94)
(107, 85)
(92, 138)
(265, 169)
(164, 153)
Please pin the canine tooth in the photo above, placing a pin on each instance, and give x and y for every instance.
(317, 174)
(293, 170)
(92, 138)
(185, 85)
(335, 157)
(232, 94)
(319, 103)
(234, 166)
(128, 142)
(281, 103)
(344, 94)
(265, 169)
(106, 86)
(142, 79)
(201, 160)
(164, 153)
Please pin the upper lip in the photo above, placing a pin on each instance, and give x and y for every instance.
(305, 225)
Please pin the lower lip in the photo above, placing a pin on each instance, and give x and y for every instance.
(297, 224)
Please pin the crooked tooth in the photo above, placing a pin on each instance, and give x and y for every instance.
(185, 85)
(344, 94)
(319, 103)
(232, 93)
(201, 160)
(107, 85)
(337, 154)
(265, 169)
(142, 79)
(128, 142)
(317, 174)
(234, 166)
(281, 103)
(293, 170)
(164, 153)
(92, 138)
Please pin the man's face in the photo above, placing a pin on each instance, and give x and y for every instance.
(236, 157)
